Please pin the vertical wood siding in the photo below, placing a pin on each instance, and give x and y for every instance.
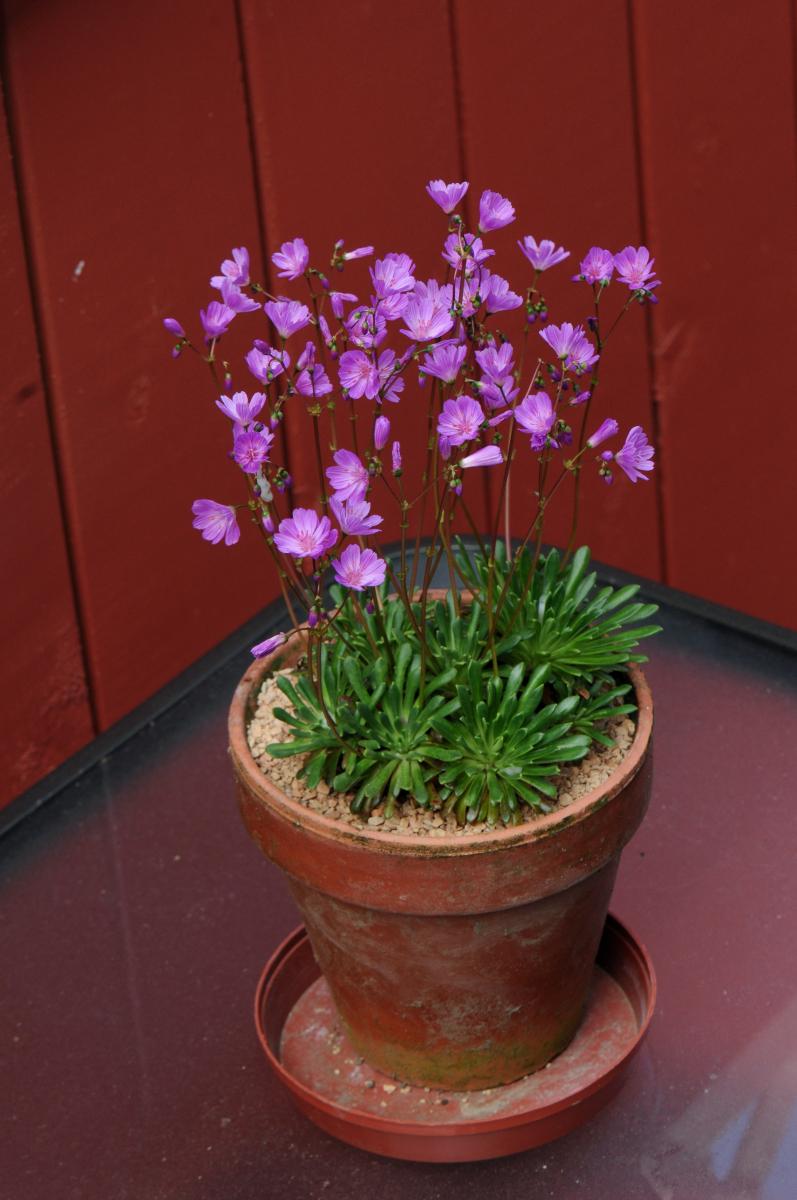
(151, 138)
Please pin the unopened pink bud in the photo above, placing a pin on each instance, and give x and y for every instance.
(381, 432)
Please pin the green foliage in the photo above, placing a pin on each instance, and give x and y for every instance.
(460, 712)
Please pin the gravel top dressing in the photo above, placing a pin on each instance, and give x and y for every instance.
(574, 781)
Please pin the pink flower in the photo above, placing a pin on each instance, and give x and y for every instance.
(353, 517)
(216, 319)
(287, 316)
(562, 338)
(608, 429)
(636, 456)
(535, 414)
(366, 328)
(460, 420)
(488, 456)
(292, 258)
(358, 569)
(635, 268)
(467, 249)
(393, 273)
(235, 299)
(544, 255)
(497, 295)
(447, 195)
(427, 313)
(305, 535)
(358, 375)
(268, 646)
(444, 361)
(390, 382)
(250, 449)
(494, 361)
(582, 355)
(236, 269)
(240, 408)
(597, 266)
(348, 478)
(313, 381)
(495, 211)
(266, 364)
(216, 521)
(337, 300)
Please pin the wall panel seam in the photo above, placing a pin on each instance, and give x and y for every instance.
(44, 373)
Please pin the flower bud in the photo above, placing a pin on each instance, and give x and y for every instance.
(396, 458)
(312, 618)
(381, 432)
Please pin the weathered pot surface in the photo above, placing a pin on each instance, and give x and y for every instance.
(457, 962)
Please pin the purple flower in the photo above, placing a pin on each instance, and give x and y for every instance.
(358, 375)
(597, 266)
(488, 456)
(390, 307)
(444, 361)
(216, 319)
(460, 420)
(635, 268)
(544, 255)
(390, 382)
(495, 211)
(582, 355)
(216, 521)
(636, 455)
(466, 248)
(337, 300)
(393, 273)
(313, 381)
(250, 449)
(348, 478)
(580, 398)
(235, 299)
(608, 429)
(240, 408)
(562, 338)
(395, 455)
(359, 569)
(496, 294)
(287, 316)
(360, 252)
(305, 535)
(235, 269)
(353, 517)
(536, 415)
(366, 328)
(268, 646)
(495, 362)
(292, 259)
(381, 432)
(266, 364)
(447, 195)
(427, 314)
(174, 327)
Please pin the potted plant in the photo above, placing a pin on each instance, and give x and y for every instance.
(414, 759)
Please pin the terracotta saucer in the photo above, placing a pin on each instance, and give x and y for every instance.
(300, 1032)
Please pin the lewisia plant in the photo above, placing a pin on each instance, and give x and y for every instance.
(469, 704)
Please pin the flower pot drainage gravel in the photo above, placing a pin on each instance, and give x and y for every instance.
(301, 1035)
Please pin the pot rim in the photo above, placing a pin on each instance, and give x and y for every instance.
(423, 845)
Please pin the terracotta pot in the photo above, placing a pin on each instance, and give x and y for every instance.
(457, 962)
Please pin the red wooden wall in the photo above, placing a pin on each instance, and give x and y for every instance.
(143, 141)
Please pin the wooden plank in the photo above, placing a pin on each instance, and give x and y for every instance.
(137, 179)
(347, 150)
(717, 109)
(549, 122)
(44, 707)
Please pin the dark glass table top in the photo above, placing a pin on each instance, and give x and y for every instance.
(136, 916)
